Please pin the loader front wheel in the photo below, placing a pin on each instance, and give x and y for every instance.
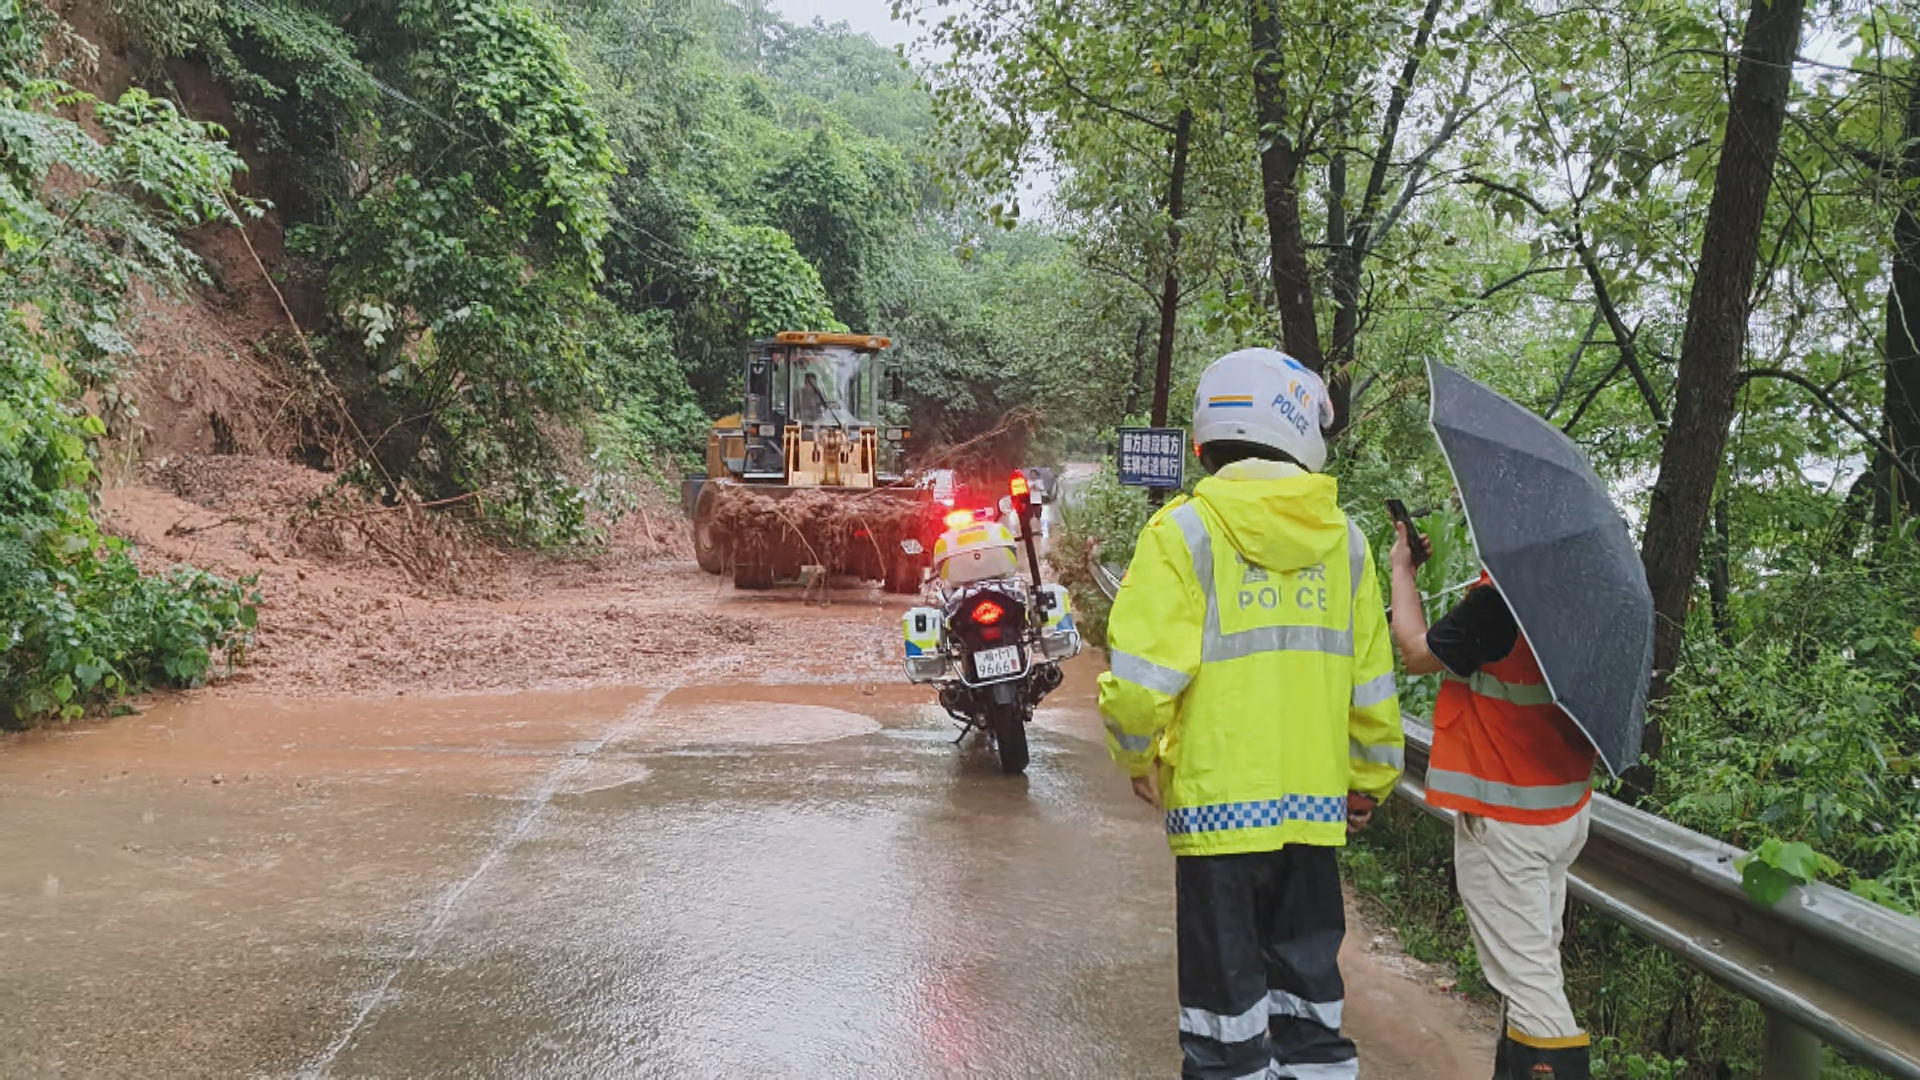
(706, 546)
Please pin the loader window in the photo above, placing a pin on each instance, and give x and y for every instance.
(862, 401)
(834, 385)
(814, 397)
(759, 384)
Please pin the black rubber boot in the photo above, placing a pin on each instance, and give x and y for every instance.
(1536, 1063)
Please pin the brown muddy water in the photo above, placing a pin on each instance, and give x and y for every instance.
(749, 880)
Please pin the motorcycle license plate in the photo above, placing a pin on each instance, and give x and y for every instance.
(994, 663)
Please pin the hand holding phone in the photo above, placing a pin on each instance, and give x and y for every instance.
(1417, 544)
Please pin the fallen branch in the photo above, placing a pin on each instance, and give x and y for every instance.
(178, 528)
(408, 504)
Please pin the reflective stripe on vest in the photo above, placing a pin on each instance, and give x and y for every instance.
(1146, 673)
(1376, 755)
(1216, 645)
(1375, 690)
(1494, 793)
(1513, 693)
(1132, 744)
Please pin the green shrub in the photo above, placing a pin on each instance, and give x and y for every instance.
(79, 624)
(1792, 740)
(83, 631)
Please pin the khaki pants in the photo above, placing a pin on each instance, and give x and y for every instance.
(1513, 883)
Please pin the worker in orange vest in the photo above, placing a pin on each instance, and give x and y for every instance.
(1518, 773)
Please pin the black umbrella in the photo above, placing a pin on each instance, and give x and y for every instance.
(1551, 539)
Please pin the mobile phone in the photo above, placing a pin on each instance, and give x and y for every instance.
(1398, 510)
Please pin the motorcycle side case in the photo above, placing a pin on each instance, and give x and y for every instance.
(926, 649)
(1059, 639)
(1059, 607)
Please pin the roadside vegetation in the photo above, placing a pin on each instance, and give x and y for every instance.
(85, 213)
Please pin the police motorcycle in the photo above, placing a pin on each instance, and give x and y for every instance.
(993, 646)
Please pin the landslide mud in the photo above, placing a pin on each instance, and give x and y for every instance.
(359, 625)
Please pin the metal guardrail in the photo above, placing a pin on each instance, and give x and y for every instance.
(1824, 964)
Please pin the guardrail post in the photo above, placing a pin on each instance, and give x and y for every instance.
(1790, 1051)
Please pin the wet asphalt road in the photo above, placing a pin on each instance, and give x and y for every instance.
(697, 881)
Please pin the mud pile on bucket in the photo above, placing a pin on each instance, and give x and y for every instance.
(844, 531)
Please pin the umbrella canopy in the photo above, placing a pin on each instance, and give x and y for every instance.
(1551, 539)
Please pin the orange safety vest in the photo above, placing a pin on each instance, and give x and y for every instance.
(1503, 750)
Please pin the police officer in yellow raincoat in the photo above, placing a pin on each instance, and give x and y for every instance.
(1252, 698)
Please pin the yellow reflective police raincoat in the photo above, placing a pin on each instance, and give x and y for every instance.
(1251, 662)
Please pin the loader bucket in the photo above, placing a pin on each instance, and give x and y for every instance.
(767, 532)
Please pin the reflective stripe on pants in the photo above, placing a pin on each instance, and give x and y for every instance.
(1337, 1070)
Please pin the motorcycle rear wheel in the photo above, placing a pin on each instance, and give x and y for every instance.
(1010, 736)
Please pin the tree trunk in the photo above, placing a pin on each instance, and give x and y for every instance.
(1343, 257)
(1710, 350)
(1856, 512)
(1720, 570)
(1349, 247)
(1170, 287)
(1280, 193)
(1902, 398)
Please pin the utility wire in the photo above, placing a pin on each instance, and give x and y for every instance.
(279, 21)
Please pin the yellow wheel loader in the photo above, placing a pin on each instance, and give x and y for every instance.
(806, 475)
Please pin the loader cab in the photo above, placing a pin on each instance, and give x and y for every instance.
(812, 412)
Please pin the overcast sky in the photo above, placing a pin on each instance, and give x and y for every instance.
(873, 17)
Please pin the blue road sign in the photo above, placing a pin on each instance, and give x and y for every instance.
(1153, 457)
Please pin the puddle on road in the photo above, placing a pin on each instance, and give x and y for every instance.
(864, 696)
(222, 739)
(741, 723)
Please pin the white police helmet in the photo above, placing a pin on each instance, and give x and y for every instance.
(1265, 397)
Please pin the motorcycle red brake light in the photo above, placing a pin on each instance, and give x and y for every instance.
(986, 613)
(959, 519)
